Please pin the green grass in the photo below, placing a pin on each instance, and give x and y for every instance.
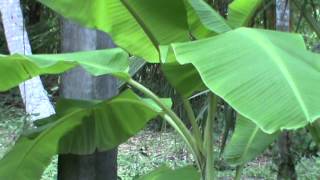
(51, 172)
(309, 168)
(11, 124)
(149, 150)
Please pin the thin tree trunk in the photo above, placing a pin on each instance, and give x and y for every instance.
(283, 15)
(286, 167)
(78, 84)
(34, 96)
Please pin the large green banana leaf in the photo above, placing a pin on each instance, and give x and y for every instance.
(165, 173)
(15, 69)
(102, 134)
(139, 26)
(110, 123)
(241, 12)
(258, 74)
(203, 20)
(247, 142)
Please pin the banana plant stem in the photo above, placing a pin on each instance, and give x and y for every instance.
(209, 139)
(171, 122)
(172, 118)
(239, 172)
(195, 127)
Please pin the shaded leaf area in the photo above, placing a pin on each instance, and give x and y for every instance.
(165, 173)
(23, 67)
(184, 78)
(135, 66)
(247, 142)
(314, 130)
(241, 12)
(203, 20)
(150, 23)
(264, 79)
(81, 128)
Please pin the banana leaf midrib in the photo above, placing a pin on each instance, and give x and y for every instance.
(253, 135)
(277, 61)
(144, 27)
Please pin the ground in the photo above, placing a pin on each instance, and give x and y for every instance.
(149, 150)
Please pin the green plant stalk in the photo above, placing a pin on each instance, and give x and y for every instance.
(239, 172)
(209, 139)
(241, 166)
(195, 127)
(172, 118)
(174, 125)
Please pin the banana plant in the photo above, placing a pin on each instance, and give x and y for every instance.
(78, 128)
(81, 127)
(268, 77)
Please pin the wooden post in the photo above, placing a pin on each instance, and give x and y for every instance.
(78, 84)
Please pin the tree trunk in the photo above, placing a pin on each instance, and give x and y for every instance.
(34, 96)
(283, 15)
(78, 84)
(286, 167)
